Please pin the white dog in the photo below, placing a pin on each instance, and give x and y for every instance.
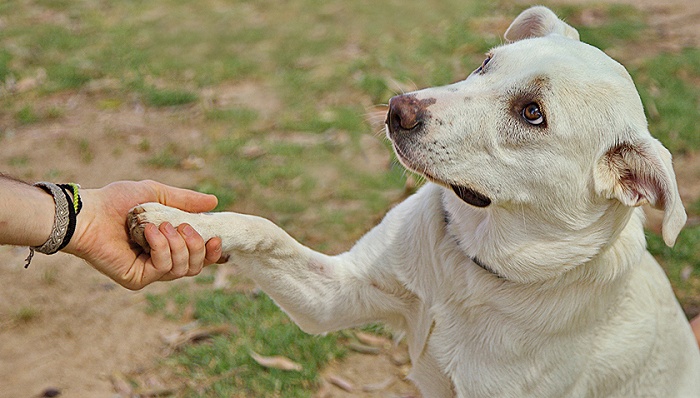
(520, 270)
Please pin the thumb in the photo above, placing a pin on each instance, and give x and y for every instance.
(185, 199)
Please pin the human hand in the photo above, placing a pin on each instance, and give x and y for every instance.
(102, 239)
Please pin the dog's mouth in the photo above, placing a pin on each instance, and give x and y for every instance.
(468, 195)
(471, 196)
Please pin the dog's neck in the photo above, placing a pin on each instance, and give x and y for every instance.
(528, 247)
(474, 259)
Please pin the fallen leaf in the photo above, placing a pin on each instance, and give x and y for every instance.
(382, 385)
(399, 357)
(192, 332)
(373, 340)
(686, 272)
(120, 384)
(364, 349)
(252, 151)
(193, 163)
(341, 383)
(155, 392)
(275, 362)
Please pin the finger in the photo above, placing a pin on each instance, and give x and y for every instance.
(195, 248)
(213, 255)
(178, 250)
(214, 251)
(160, 251)
(183, 199)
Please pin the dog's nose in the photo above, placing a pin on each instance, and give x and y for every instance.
(406, 113)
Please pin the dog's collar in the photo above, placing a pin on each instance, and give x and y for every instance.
(474, 259)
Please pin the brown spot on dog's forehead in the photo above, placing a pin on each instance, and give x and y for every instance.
(533, 91)
(540, 82)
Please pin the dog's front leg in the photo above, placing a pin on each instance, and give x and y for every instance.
(321, 293)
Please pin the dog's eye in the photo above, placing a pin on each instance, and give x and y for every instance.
(483, 64)
(532, 114)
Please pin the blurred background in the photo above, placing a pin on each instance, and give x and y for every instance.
(278, 109)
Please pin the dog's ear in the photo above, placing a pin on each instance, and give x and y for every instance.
(639, 173)
(538, 21)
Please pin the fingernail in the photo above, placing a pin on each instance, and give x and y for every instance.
(169, 229)
(188, 231)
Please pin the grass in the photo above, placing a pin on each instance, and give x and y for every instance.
(682, 265)
(168, 157)
(225, 192)
(668, 86)
(49, 276)
(299, 157)
(86, 153)
(241, 116)
(606, 25)
(26, 314)
(156, 97)
(19, 161)
(26, 115)
(258, 326)
(4, 64)
(681, 262)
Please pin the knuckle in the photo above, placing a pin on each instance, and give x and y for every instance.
(195, 244)
(177, 244)
(179, 272)
(159, 245)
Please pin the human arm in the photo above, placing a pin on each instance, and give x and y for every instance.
(27, 213)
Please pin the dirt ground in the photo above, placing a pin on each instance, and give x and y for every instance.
(65, 328)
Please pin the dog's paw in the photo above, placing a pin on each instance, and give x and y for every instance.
(154, 213)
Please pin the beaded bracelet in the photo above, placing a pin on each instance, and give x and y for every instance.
(68, 204)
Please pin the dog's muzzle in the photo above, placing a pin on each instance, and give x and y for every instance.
(405, 120)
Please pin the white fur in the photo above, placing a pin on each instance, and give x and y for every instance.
(580, 308)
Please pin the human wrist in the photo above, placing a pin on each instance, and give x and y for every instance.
(66, 198)
(76, 245)
(44, 210)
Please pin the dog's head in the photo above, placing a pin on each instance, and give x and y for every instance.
(548, 128)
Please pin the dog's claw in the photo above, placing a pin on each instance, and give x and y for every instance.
(137, 228)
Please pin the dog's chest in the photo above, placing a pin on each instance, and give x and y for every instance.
(484, 353)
